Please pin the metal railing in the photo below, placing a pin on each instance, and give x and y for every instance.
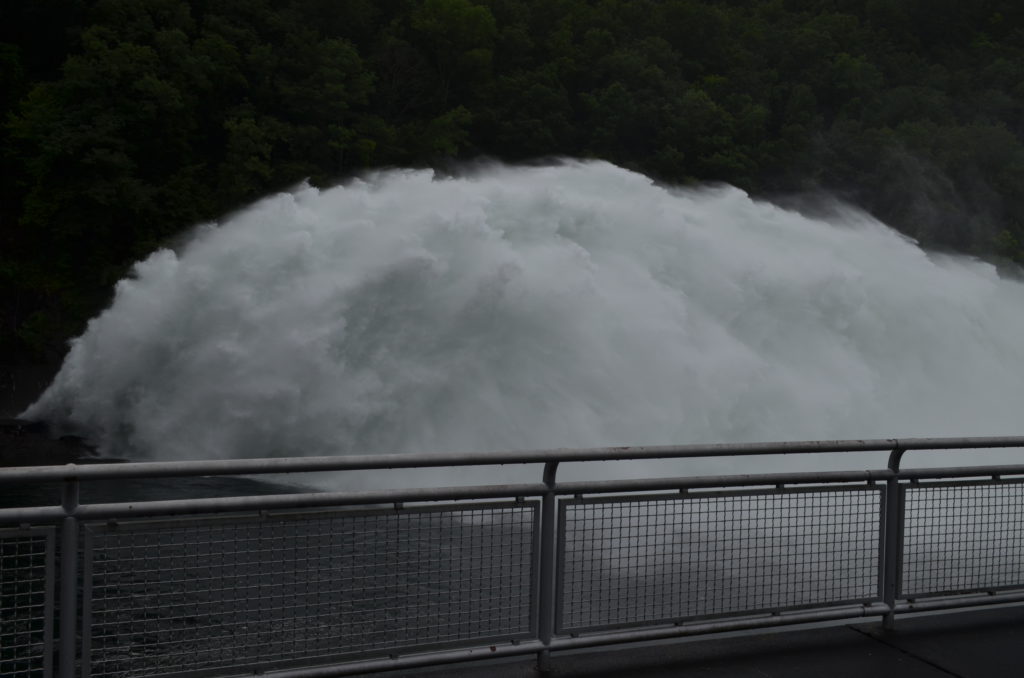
(334, 583)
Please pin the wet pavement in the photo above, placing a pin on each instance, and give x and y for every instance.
(975, 644)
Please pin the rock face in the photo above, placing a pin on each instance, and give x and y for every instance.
(29, 443)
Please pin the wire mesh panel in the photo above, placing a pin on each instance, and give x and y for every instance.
(26, 602)
(660, 558)
(962, 537)
(305, 588)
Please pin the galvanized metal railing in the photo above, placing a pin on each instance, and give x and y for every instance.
(334, 583)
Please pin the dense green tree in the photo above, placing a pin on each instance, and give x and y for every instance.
(125, 122)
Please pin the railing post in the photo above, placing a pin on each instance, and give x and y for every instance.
(893, 539)
(548, 549)
(68, 580)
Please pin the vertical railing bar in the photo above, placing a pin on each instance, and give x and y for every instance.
(68, 579)
(891, 547)
(901, 521)
(549, 544)
(48, 605)
(893, 538)
(883, 526)
(535, 544)
(560, 570)
(87, 548)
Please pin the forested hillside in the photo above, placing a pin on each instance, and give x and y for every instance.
(125, 122)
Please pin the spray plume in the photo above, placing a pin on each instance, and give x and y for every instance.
(570, 305)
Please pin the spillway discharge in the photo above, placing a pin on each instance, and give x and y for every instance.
(562, 306)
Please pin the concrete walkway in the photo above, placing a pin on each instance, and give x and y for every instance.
(977, 644)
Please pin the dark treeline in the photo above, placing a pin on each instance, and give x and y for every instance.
(126, 122)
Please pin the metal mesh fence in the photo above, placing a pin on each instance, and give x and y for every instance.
(653, 559)
(26, 602)
(289, 589)
(962, 537)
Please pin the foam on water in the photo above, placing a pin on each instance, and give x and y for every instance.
(571, 305)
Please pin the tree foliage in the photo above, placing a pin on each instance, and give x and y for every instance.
(125, 122)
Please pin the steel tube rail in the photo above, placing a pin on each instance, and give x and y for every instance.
(583, 642)
(960, 472)
(720, 626)
(984, 599)
(316, 499)
(743, 480)
(33, 515)
(293, 501)
(47, 514)
(165, 469)
(410, 661)
(174, 507)
(51, 514)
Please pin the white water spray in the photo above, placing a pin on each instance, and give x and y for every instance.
(577, 305)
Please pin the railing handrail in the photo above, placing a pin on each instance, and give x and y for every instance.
(163, 469)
